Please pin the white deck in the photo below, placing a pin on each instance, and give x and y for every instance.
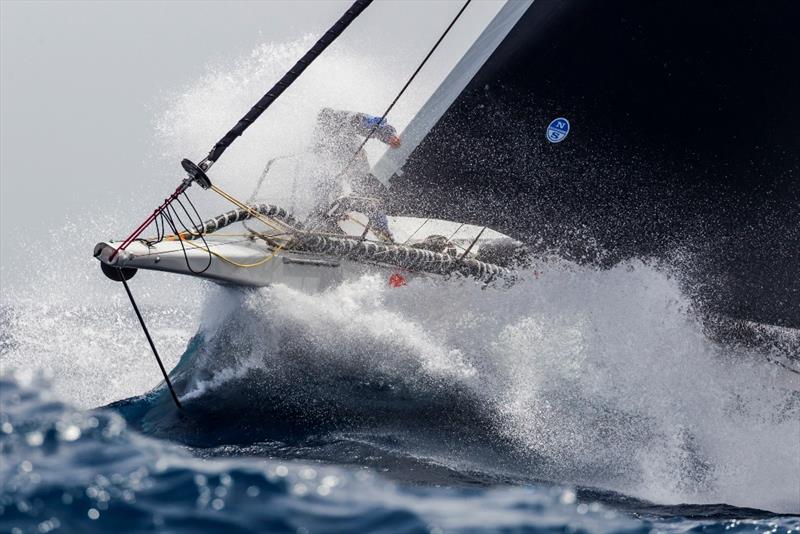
(250, 261)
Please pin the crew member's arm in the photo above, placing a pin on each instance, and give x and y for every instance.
(335, 122)
(384, 132)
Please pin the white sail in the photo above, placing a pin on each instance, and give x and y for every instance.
(451, 87)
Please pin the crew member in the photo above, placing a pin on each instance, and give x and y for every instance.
(338, 138)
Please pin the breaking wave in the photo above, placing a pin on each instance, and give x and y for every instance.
(599, 378)
(574, 375)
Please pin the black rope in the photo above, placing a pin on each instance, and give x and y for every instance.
(330, 36)
(150, 340)
(167, 218)
(179, 236)
(403, 90)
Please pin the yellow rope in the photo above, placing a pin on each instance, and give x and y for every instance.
(383, 237)
(184, 236)
(256, 215)
(275, 252)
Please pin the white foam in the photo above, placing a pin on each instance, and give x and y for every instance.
(606, 375)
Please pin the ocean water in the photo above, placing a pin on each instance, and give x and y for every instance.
(577, 399)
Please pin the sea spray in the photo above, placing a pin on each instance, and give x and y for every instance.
(593, 377)
(576, 375)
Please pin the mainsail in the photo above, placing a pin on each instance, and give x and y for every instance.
(684, 141)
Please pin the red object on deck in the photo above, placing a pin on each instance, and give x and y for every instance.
(397, 280)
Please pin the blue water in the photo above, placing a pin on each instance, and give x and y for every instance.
(581, 401)
(67, 470)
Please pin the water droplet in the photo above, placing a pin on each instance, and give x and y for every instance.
(34, 439)
(217, 504)
(567, 497)
(48, 525)
(93, 514)
(71, 433)
(330, 481)
(281, 470)
(7, 428)
(253, 491)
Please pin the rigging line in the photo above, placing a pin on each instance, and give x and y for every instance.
(197, 213)
(198, 229)
(184, 185)
(417, 230)
(256, 215)
(403, 90)
(185, 227)
(460, 226)
(168, 218)
(186, 237)
(277, 250)
(150, 340)
(266, 171)
(223, 144)
(464, 255)
(383, 237)
(281, 85)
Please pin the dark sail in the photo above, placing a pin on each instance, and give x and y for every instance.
(685, 140)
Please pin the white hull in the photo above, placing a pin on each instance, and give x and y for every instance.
(245, 262)
(249, 260)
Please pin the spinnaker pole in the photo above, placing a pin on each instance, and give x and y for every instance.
(197, 172)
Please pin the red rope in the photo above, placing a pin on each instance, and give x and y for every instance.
(152, 217)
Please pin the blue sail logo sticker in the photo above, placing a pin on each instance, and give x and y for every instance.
(557, 130)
